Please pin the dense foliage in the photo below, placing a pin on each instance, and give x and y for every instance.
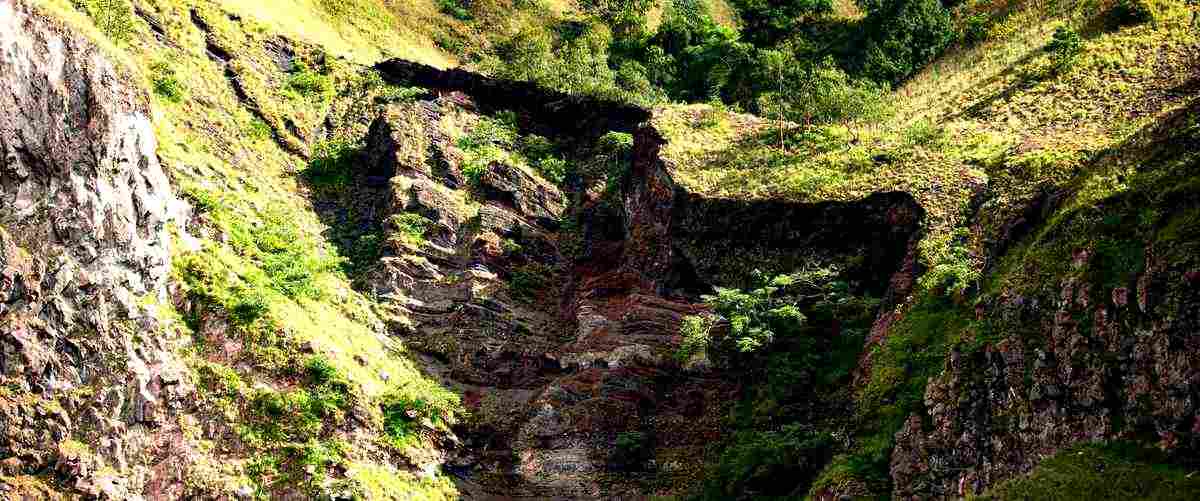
(791, 338)
(788, 59)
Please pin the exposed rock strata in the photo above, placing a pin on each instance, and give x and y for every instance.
(553, 379)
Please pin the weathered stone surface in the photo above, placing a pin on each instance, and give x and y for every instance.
(553, 379)
(83, 245)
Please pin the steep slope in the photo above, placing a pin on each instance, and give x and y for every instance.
(1002, 151)
(333, 280)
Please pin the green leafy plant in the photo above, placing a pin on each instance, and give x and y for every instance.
(331, 164)
(410, 226)
(488, 141)
(951, 266)
(696, 333)
(905, 35)
(755, 318)
(976, 28)
(1131, 12)
(527, 280)
(409, 409)
(769, 21)
(554, 169)
(309, 83)
(166, 83)
(1064, 48)
(455, 9)
(756, 463)
(114, 18)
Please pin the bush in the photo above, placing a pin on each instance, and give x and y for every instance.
(309, 83)
(166, 83)
(408, 409)
(114, 18)
(695, 331)
(1064, 48)
(258, 130)
(331, 164)
(526, 281)
(755, 318)
(759, 464)
(904, 36)
(1130, 12)
(554, 169)
(627, 18)
(410, 226)
(951, 267)
(768, 21)
(455, 9)
(536, 147)
(976, 29)
(818, 94)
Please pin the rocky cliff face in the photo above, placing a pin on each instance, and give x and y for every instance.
(555, 311)
(552, 306)
(1087, 332)
(92, 382)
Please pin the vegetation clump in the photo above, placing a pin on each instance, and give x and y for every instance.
(1064, 48)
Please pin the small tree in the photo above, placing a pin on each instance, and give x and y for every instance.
(1064, 49)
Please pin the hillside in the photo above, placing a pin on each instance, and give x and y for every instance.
(686, 249)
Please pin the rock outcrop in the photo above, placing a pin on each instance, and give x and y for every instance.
(556, 311)
(92, 381)
(1095, 335)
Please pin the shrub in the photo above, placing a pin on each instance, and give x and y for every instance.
(410, 226)
(1130, 12)
(615, 146)
(818, 94)
(767, 463)
(976, 29)
(114, 18)
(627, 18)
(166, 83)
(309, 83)
(1064, 48)
(486, 143)
(319, 371)
(331, 164)
(951, 266)
(259, 130)
(554, 169)
(407, 409)
(536, 147)
(755, 317)
(924, 132)
(695, 331)
(904, 36)
(768, 21)
(455, 9)
(290, 261)
(526, 281)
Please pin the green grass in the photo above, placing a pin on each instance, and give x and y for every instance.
(1114, 470)
(282, 347)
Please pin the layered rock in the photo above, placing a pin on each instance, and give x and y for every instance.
(555, 377)
(93, 383)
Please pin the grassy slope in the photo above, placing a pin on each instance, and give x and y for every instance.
(1102, 471)
(975, 115)
(293, 365)
(988, 117)
(284, 351)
